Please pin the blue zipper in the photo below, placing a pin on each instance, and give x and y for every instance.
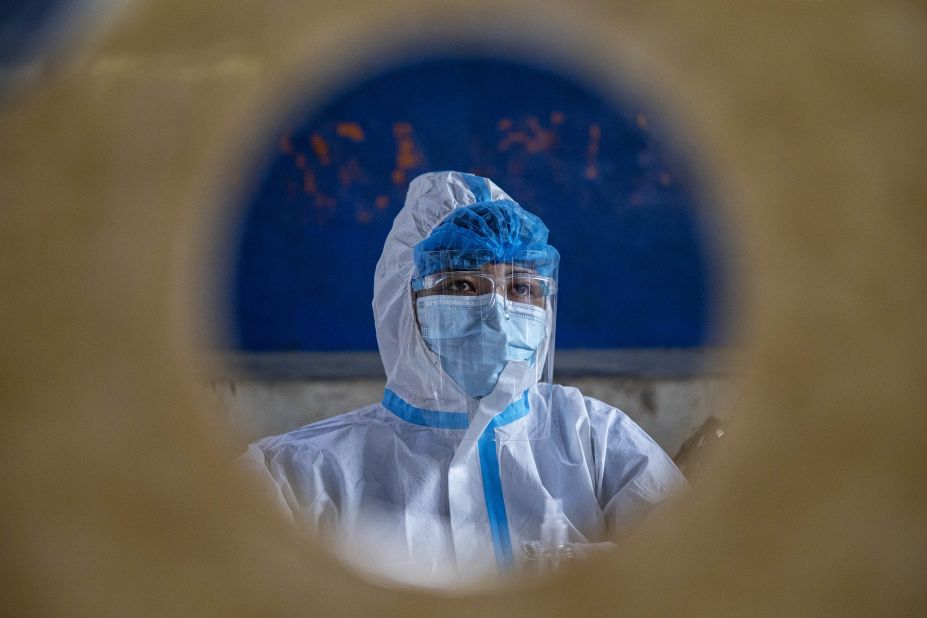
(489, 460)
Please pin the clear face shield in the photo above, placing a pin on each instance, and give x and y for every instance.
(490, 326)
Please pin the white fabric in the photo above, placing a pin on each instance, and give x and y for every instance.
(412, 371)
(424, 495)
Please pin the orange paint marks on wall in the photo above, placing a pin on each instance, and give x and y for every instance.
(641, 121)
(350, 130)
(505, 124)
(541, 139)
(407, 154)
(321, 149)
(535, 139)
(515, 137)
(592, 172)
(301, 161)
(382, 202)
(665, 179)
(557, 118)
(363, 216)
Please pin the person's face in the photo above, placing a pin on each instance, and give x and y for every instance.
(514, 282)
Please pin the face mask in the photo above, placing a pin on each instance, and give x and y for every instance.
(474, 342)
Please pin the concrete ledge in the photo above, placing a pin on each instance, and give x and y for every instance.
(643, 363)
(668, 409)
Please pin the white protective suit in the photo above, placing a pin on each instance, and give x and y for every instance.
(441, 484)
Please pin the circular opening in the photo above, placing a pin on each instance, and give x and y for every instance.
(635, 325)
(112, 480)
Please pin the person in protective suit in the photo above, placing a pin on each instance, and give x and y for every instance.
(452, 473)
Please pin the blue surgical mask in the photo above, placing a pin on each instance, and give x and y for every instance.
(475, 341)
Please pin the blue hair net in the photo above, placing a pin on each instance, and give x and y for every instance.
(486, 232)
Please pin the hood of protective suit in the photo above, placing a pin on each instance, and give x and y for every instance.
(412, 371)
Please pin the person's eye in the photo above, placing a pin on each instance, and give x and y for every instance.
(523, 289)
(459, 286)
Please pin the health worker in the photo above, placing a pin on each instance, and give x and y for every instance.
(453, 472)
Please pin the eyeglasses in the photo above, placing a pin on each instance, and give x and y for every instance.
(525, 288)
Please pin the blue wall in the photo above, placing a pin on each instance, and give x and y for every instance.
(23, 23)
(617, 200)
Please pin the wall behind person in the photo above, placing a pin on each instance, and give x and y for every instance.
(619, 200)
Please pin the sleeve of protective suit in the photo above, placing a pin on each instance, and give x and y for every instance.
(299, 481)
(633, 474)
